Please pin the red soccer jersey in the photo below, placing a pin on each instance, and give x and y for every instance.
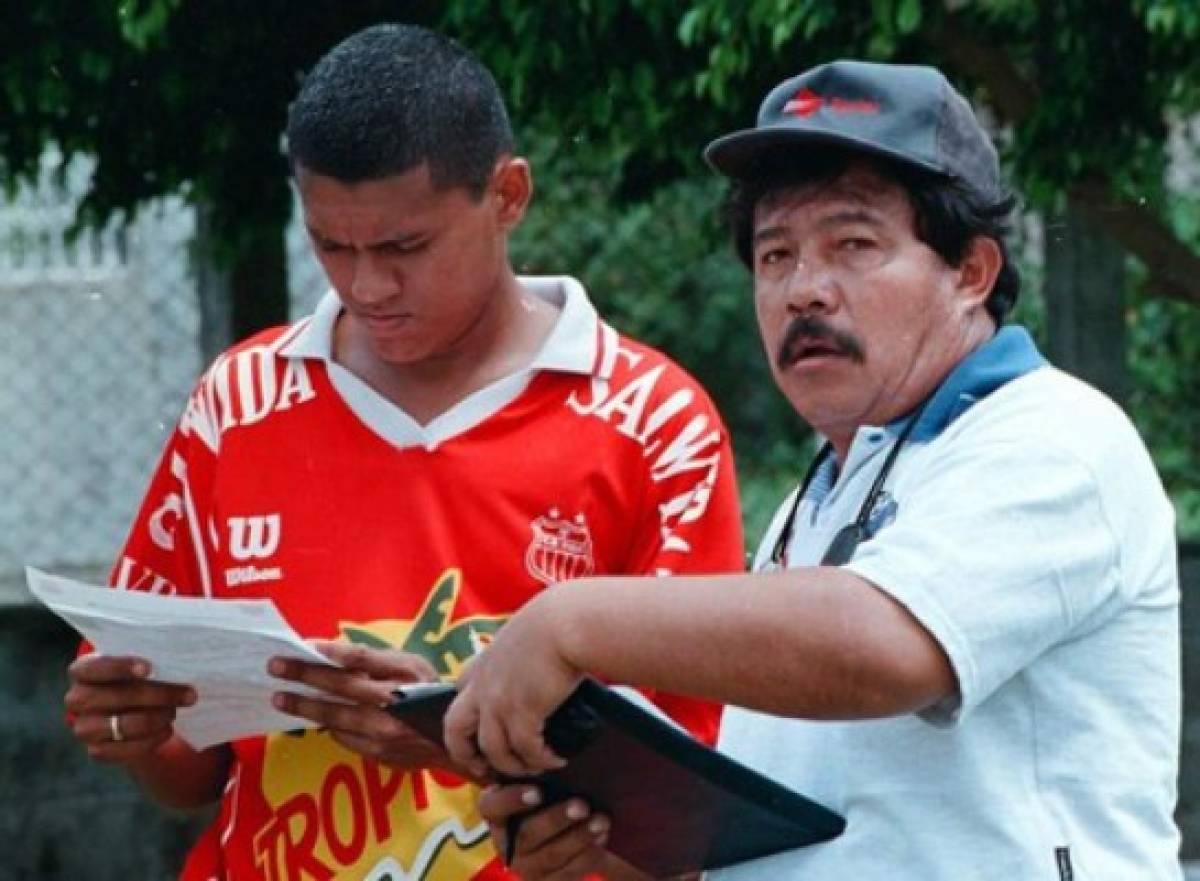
(288, 478)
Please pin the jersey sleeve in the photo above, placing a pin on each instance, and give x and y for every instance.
(168, 549)
(690, 522)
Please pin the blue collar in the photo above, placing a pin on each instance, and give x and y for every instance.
(1011, 353)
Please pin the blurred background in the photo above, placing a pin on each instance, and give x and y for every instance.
(147, 220)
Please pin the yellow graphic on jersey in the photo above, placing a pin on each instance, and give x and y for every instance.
(337, 815)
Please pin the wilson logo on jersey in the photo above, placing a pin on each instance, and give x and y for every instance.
(560, 549)
(254, 537)
(336, 814)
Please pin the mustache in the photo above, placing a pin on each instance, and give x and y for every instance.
(810, 329)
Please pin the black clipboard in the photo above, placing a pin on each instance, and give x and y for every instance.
(676, 805)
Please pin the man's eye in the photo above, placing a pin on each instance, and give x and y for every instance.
(856, 244)
(772, 256)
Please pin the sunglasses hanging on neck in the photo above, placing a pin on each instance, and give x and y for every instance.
(841, 549)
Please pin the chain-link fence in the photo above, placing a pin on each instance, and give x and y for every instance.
(99, 346)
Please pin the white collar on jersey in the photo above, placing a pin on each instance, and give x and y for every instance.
(571, 346)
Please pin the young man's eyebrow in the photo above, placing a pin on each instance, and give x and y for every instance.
(397, 239)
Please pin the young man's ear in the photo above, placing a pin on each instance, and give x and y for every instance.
(979, 269)
(511, 189)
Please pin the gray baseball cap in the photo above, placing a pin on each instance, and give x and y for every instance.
(907, 113)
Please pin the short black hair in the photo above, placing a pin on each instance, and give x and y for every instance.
(948, 215)
(392, 97)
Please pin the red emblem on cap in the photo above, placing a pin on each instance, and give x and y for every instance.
(807, 102)
(804, 103)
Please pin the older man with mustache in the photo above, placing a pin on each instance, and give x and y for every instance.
(962, 631)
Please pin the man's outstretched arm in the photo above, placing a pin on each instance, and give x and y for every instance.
(818, 643)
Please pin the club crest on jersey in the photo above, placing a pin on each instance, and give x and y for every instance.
(560, 549)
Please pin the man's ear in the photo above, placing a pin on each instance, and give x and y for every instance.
(511, 188)
(978, 270)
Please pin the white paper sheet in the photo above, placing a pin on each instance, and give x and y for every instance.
(219, 647)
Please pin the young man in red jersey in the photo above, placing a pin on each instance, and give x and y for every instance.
(400, 472)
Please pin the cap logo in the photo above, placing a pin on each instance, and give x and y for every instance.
(807, 102)
(804, 103)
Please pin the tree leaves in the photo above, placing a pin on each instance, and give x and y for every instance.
(908, 16)
(144, 22)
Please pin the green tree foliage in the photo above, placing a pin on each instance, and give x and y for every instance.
(1084, 89)
(174, 95)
